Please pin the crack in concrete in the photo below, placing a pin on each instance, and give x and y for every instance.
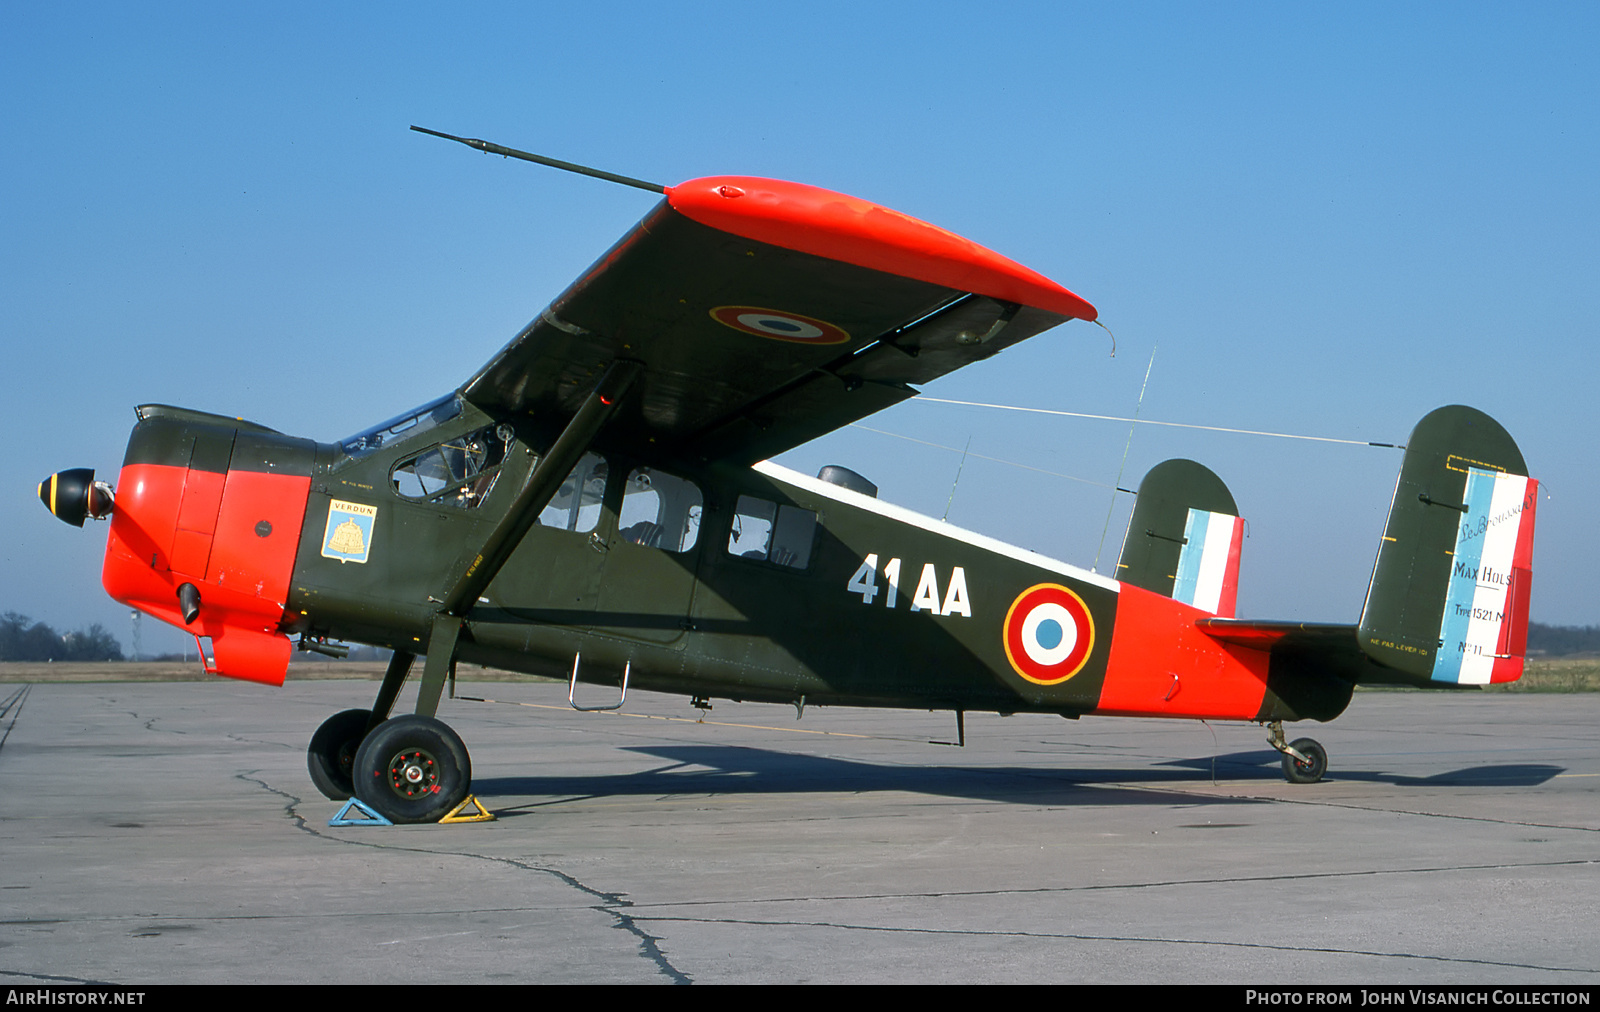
(150, 724)
(13, 707)
(1072, 936)
(1119, 886)
(1376, 810)
(612, 904)
(56, 979)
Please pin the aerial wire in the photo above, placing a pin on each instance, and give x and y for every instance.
(953, 484)
(980, 456)
(1112, 508)
(1149, 421)
(1097, 323)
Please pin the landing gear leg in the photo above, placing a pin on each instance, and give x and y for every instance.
(1304, 760)
(399, 667)
(441, 663)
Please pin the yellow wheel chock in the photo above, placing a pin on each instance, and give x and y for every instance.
(470, 810)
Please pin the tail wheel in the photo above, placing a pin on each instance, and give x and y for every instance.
(332, 754)
(413, 769)
(1310, 771)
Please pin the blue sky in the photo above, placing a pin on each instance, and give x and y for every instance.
(1323, 219)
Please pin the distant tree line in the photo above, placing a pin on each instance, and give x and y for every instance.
(1560, 640)
(22, 639)
(358, 652)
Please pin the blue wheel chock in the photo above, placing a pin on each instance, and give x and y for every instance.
(354, 813)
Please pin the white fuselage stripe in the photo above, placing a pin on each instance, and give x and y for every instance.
(777, 472)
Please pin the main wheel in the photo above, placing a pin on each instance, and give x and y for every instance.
(332, 754)
(1309, 772)
(413, 769)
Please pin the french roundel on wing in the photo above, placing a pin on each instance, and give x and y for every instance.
(1049, 634)
(779, 326)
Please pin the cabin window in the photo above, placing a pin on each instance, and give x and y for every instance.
(660, 510)
(764, 530)
(576, 506)
(459, 473)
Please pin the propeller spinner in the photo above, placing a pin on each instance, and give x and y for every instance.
(74, 495)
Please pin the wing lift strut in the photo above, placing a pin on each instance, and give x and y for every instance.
(540, 488)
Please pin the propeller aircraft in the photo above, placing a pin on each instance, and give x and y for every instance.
(596, 503)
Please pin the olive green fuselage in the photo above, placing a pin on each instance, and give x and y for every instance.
(705, 621)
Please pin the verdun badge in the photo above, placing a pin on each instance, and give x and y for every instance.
(348, 536)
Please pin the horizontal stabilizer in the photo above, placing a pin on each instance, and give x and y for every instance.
(1266, 635)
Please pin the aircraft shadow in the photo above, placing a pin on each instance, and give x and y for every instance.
(738, 769)
(1502, 775)
(735, 769)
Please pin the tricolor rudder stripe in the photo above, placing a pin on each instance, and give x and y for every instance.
(1208, 565)
(1483, 633)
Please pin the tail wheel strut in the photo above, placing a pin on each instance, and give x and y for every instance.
(1305, 761)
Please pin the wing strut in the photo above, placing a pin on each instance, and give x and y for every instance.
(541, 487)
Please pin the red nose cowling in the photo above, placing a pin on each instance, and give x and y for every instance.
(216, 505)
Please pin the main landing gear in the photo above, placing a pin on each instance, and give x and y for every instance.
(412, 768)
(1304, 759)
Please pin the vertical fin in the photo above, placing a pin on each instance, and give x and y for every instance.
(1448, 601)
(1184, 538)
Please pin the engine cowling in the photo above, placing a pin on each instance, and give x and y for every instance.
(207, 521)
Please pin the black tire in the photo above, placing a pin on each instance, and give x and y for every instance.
(332, 754)
(413, 769)
(1297, 772)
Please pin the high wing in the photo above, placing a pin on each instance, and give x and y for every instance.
(764, 314)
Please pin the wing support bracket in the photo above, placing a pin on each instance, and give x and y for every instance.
(540, 488)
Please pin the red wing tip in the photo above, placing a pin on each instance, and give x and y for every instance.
(810, 219)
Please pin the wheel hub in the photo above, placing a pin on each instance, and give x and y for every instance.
(413, 773)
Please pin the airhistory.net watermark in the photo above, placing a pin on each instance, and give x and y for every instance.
(62, 996)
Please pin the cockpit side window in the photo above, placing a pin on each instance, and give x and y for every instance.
(459, 473)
